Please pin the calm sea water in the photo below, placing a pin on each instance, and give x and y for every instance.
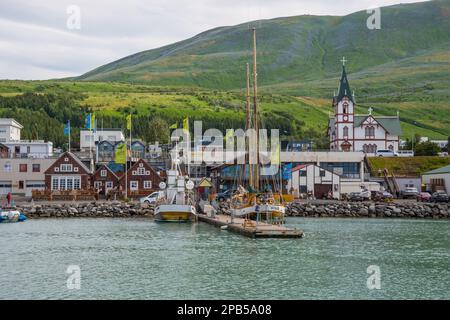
(139, 259)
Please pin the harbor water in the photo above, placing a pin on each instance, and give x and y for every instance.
(141, 259)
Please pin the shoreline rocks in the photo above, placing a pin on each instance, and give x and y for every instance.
(369, 210)
(93, 209)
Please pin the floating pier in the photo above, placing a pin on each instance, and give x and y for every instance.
(250, 228)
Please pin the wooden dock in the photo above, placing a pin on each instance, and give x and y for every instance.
(251, 229)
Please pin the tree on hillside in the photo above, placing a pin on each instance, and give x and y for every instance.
(427, 149)
(157, 129)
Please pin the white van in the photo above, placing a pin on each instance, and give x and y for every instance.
(386, 153)
(152, 198)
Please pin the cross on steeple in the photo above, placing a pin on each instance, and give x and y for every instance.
(344, 61)
(370, 110)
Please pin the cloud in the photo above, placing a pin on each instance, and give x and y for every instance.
(36, 43)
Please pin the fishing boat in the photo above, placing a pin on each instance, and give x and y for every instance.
(259, 197)
(177, 204)
(12, 216)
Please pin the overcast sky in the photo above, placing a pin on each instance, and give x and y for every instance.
(35, 42)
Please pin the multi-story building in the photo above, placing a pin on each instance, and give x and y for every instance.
(21, 176)
(9, 130)
(88, 139)
(29, 149)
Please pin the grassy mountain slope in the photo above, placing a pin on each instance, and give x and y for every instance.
(300, 48)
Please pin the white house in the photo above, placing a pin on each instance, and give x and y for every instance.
(316, 180)
(29, 149)
(89, 138)
(9, 130)
(351, 132)
(438, 179)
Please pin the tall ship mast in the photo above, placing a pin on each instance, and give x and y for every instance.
(253, 200)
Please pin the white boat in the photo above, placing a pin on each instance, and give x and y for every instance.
(178, 204)
(11, 216)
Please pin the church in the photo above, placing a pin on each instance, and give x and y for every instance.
(353, 132)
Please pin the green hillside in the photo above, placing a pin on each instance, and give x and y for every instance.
(403, 67)
(299, 48)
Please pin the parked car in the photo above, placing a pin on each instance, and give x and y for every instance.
(152, 198)
(386, 153)
(363, 195)
(227, 194)
(381, 196)
(423, 197)
(409, 193)
(439, 196)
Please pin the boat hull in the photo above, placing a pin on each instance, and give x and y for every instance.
(175, 213)
(12, 216)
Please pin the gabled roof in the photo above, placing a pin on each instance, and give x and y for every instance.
(134, 166)
(390, 123)
(445, 169)
(75, 158)
(104, 166)
(344, 87)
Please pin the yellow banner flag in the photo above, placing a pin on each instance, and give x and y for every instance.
(186, 125)
(129, 122)
(174, 126)
(121, 154)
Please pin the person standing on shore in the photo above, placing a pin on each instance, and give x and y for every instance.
(8, 199)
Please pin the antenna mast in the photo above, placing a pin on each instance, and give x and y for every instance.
(255, 109)
(248, 125)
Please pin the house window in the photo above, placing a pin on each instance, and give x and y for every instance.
(36, 167)
(103, 173)
(77, 183)
(302, 173)
(55, 184)
(141, 171)
(370, 132)
(23, 167)
(20, 184)
(97, 184)
(134, 185)
(69, 183)
(62, 183)
(147, 184)
(7, 167)
(322, 173)
(66, 167)
(109, 185)
(345, 132)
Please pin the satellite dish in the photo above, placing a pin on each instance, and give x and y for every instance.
(162, 185)
(190, 185)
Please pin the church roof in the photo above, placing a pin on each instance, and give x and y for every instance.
(344, 87)
(391, 124)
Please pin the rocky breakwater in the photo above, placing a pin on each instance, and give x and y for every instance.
(370, 210)
(91, 209)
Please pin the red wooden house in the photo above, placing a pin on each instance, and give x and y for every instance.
(105, 180)
(68, 173)
(142, 179)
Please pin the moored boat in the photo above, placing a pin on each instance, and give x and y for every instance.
(177, 205)
(12, 216)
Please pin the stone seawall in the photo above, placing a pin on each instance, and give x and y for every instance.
(295, 209)
(370, 210)
(91, 209)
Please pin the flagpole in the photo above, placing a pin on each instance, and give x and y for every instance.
(69, 135)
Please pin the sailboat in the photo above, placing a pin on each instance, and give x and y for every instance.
(254, 201)
(178, 204)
